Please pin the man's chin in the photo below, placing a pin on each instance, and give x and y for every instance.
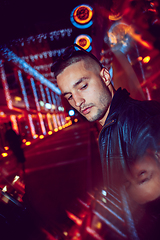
(91, 119)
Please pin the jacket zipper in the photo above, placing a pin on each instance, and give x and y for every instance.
(107, 125)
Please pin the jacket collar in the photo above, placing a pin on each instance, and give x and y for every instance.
(119, 97)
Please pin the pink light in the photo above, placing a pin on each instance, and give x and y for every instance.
(42, 123)
(49, 121)
(31, 125)
(55, 121)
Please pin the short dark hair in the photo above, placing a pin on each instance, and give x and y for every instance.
(76, 56)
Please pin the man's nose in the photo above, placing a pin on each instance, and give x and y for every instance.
(78, 100)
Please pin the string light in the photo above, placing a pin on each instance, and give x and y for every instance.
(44, 54)
(51, 35)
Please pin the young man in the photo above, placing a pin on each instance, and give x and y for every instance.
(128, 125)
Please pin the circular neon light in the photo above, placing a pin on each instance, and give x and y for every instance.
(84, 41)
(71, 112)
(81, 16)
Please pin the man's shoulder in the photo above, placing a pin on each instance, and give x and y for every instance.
(148, 107)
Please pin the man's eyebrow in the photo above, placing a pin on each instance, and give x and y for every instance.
(75, 85)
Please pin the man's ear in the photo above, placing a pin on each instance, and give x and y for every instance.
(105, 76)
(157, 155)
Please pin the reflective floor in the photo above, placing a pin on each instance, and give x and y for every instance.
(59, 169)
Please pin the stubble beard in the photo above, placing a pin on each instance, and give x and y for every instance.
(105, 99)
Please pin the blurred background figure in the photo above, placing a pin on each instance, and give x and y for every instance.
(14, 142)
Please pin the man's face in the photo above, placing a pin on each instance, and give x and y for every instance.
(85, 91)
(143, 183)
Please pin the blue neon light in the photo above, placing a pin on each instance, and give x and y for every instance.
(53, 99)
(35, 94)
(48, 95)
(10, 56)
(71, 112)
(42, 94)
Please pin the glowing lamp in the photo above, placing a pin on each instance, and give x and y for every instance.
(65, 233)
(18, 99)
(24, 140)
(2, 114)
(139, 58)
(35, 136)
(60, 128)
(104, 193)
(146, 59)
(4, 154)
(28, 143)
(50, 133)
(99, 225)
(41, 136)
(75, 120)
(48, 105)
(41, 103)
(4, 189)
(56, 129)
(53, 107)
(68, 118)
(6, 148)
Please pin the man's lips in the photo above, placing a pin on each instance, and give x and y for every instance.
(86, 110)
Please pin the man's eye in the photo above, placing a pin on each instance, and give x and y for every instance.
(143, 181)
(69, 98)
(84, 86)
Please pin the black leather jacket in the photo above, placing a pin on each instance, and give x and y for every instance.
(131, 127)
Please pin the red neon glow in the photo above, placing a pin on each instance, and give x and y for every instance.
(14, 123)
(74, 218)
(138, 38)
(93, 233)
